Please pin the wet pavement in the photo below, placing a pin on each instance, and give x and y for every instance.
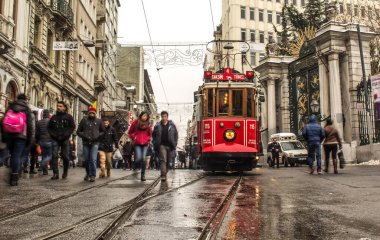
(285, 203)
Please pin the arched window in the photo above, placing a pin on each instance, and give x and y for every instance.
(34, 97)
(11, 92)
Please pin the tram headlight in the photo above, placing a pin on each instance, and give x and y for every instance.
(229, 135)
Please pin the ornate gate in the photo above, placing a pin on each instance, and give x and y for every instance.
(303, 89)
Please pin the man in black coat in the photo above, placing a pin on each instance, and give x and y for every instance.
(106, 146)
(275, 149)
(60, 128)
(45, 141)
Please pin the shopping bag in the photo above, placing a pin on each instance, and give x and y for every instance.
(38, 150)
(341, 159)
(117, 155)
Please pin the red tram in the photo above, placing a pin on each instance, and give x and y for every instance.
(228, 129)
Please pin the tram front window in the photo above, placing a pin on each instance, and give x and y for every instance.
(223, 102)
(237, 102)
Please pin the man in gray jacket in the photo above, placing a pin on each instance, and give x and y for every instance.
(165, 138)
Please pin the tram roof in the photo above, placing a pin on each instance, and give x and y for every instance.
(229, 85)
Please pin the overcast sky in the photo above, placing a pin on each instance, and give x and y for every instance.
(171, 21)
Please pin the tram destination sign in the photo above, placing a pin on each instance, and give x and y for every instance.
(228, 75)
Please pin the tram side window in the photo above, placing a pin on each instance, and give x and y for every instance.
(210, 98)
(237, 102)
(249, 103)
(223, 102)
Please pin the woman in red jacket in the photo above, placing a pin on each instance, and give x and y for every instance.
(141, 134)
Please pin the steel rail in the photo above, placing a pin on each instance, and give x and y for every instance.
(217, 217)
(122, 207)
(46, 203)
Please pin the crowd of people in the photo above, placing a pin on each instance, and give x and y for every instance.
(24, 137)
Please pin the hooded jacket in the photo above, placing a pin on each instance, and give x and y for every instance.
(22, 106)
(42, 132)
(313, 132)
(172, 135)
(140, 136)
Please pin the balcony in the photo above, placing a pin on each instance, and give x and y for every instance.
(62, 10)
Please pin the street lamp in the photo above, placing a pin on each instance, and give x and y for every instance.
(314, 106)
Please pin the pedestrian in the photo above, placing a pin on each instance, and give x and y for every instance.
(45, 141)
(331, 144)
(313, 134)
(73, 154)
(91, 130)
(106, 146)
(165, 138)
(141, 133)
(30, 150)
(274, 148)
(17, 130)
(127, 151)
(61, 126)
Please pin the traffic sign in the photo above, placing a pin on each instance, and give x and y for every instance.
(65, 46)
(228, 75)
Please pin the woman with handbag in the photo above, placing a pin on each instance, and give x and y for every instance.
(141, 133)
(330, 145)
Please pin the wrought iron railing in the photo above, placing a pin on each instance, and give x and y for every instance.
(366, 118)
(63, 7)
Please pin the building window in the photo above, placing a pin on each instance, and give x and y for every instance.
(242, 12)
(261, 37)
(261, 15)
(57, 58)
(270, 36)
(67, 62)
(356, 12)
(34, 97)
(363, 12)
(11, 92)
(286, 1)
(37, 27)
(251, 13)
(269, 16)
(278, 18)
(243, 35)
(278, 1)
(295, 2)
(47, 104)
(348, 8)
(253, 59)
(1, 6)
(15, 9)
(49, 45)
(252, 35)
(303, 3)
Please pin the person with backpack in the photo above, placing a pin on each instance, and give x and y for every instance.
(60, 128)
(313, 133)
(91, 130)
(45, 141)
(17, 129)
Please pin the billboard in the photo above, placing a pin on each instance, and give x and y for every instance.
(65, 46)
(375, 84)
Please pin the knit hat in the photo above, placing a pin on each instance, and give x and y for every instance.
(92, 109)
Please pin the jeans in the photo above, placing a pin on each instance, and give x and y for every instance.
(64, 147)
(16, 147)
(314, 149)
(140, 153)
(25, 156)
(90, 156)
(164, 156)
(47, 152)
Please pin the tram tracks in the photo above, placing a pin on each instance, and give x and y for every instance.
(46, 203)
(123, 211)
(212, 227)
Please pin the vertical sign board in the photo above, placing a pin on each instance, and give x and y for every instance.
(375, 84)
(207, 133)
(251, 133)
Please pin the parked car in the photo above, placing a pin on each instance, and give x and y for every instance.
(293, 152)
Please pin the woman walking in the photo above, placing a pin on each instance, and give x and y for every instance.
(330, 145)
(141, 133)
